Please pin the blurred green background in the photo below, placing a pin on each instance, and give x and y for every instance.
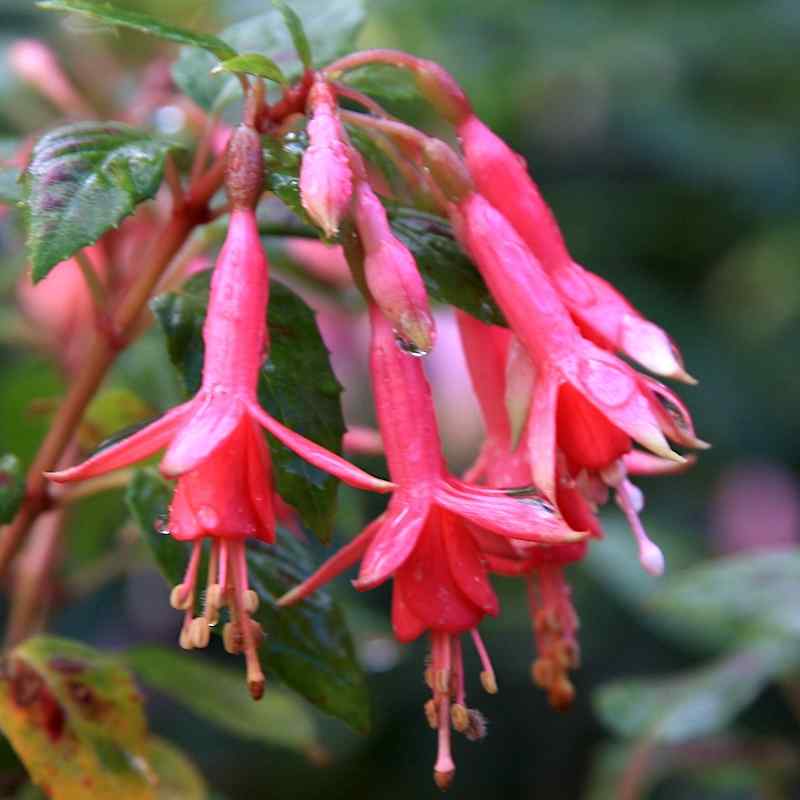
(665, 137)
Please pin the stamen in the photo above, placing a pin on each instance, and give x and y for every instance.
(488, 679)
(650, 556)
(431, 714)
(444, 769)
(476, 729)
(255, 675)
(182, 595)
(459, 716)
(459, 693)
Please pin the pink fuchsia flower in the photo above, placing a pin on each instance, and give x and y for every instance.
(214, 446)
(326, 178)
(391, 274)
(425, 540)
(603, 314)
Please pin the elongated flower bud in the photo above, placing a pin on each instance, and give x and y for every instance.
(391, 274)
(244, 170)
(326, 179)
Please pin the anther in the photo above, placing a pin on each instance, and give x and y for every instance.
(431, 714)
(489, 682)
(476, 730)
(251, 601)
(199, 632)
(181, 597)
(459, 716)
(441, 681)
(232, 638)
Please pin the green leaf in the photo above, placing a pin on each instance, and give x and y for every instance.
(384, 81)
(755, 594)
(331, 29)
(695, 703)
(252, 64)
(219, 695)
(295, 27)
(282, 160)
(10, 190)
(298, 387)
(178, 778)
(135, 20)
(449, 275)
(12, 487)
(112, 409)
(76, 720)
(307, 645)
(82, 180)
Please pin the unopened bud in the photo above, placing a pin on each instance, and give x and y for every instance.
(244, 170)
(447, 170)
(440, 89)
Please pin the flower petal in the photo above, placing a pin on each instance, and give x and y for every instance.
(140, 445)
(542, 434)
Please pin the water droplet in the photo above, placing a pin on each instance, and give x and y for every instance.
(409, 347)
(160, 525)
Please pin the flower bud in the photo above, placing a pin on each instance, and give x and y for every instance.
(447, 170)
(244, 171)
(326, 179)
(440, 89)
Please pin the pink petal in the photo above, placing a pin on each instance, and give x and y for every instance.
(319, 456)
(398, 534)
(139, 446)
(466, 565)
(259, 480)
(542, 434)
(638, 462)
(406, 626)
(532, 520)
(214, 418)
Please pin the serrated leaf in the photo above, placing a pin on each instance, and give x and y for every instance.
(298, 387)
(219, 695)
(301, 390)
(144, 23)
(742, 596)
(12, 487)
(330, 27)
(252, 64)
(295, 27)
(449, 275)
(75, 718)
(307, 645)
(82, 180)
(10, 190)
(383, 81)
(694, 703)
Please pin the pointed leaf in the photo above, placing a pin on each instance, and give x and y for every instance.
(178, 778)
(82, 180)
(308, 645)
(282, 169)
(330, 28)
(384, 81)
(75, 718)
(298, 388)
(694, 703)
(295, 27)
(252, 64)
(219, 695)
(12, 487)
(137, 21)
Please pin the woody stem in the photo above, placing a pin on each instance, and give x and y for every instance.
(104, 351)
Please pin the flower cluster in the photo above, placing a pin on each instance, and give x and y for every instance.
(567, 420)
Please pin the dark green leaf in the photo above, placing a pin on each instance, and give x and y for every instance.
(295, 27)
(740, 597)
(298, 387)
(12, 487)
(10, 190)
(301, 391)
(695, 703)
(384, 81)
(135, 20)
(331, 29)
(372, 152)
(82, 180)
(449, 275)
(279, 718)
(282, 167)
(307, 645)
(252, 64)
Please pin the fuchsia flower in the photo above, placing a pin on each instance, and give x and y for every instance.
(326, 179)
(391, 274)
(426, 539)
(214, 445)
(601, 312)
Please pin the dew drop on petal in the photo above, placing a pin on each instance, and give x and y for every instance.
(409, 347)
(160, 525)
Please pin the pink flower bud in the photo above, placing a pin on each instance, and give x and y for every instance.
(391, 274)
(326, 179)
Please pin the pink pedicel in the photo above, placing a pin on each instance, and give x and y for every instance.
(426, 538)
(602, 313)
(214, 445)
(326, 178)
(391, 274)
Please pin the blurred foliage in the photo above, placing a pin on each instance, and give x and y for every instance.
(665, 137)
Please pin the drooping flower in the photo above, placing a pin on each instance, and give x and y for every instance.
(426, 539)
(214, 445)
(326, 178)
